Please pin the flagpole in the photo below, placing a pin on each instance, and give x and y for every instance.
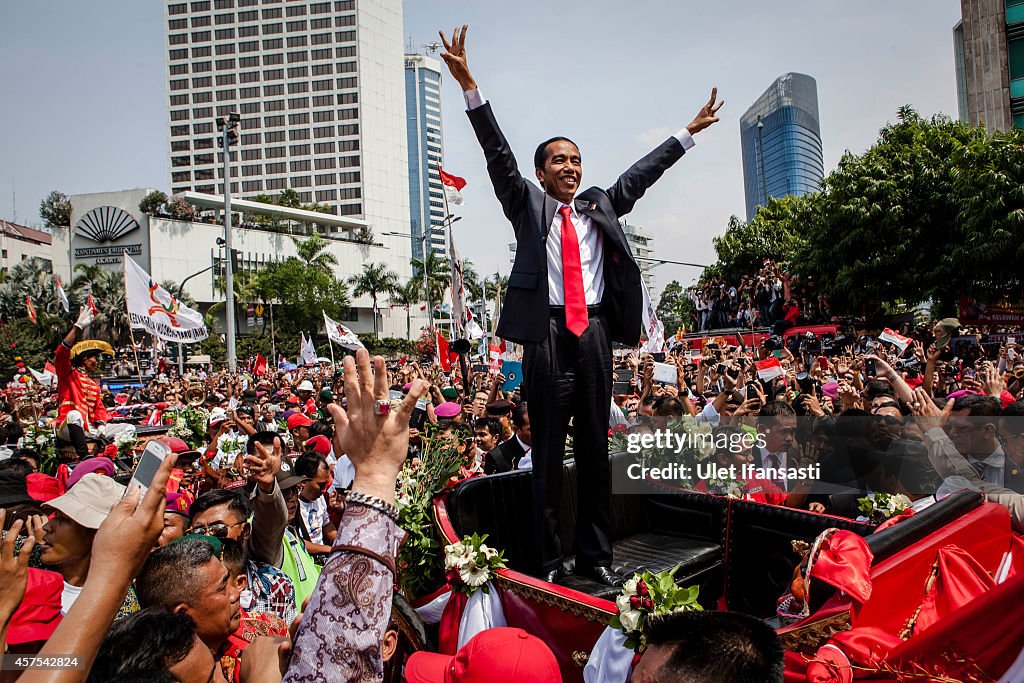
(135, 352)
(273, 345)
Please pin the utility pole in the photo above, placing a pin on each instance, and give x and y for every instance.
(229, 128)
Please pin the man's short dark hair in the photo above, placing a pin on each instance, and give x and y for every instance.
(232, 554)
(143, 647)
(716, 646)
(776, 409)
(874, 388)
(491, 424)
(309, 464)
(978, 405)
(265, 438)
(520, 414)
(171, 576)
(540, 156)
(237, 502)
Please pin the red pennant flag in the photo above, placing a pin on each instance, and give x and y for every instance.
(49, 367)
(259, 366)
(31, 310)
(443, 354)
(91, 304)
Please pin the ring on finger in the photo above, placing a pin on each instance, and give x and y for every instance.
(382, 408)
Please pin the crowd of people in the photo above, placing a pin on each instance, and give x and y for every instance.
(772, 296)
(271, 530)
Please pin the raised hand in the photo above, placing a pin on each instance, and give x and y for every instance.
(264, 464)
(455, 57)
(705, 117)
(13, 570)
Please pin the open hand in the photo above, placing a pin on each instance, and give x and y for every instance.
(264, 463)
(13, 569)
(706, 116)
(455, 57)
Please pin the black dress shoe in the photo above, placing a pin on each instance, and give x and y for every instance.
(555, 575)
(603, 575)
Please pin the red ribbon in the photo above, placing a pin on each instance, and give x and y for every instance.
(448, 628)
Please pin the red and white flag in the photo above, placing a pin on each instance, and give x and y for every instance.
(453, 185)
(62, 296)
(898, 340)
(31, 310)
(769, 369)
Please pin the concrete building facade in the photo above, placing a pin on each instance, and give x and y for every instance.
(988, 47)
(426, 154)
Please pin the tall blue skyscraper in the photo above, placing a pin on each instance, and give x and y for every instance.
(781, 142)
(426, 153)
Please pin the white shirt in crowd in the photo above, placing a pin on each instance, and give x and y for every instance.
(68, 597)
(313, 516)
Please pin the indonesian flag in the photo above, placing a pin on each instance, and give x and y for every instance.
(898, 340)
(50, 367)
(31, 310)
(453, 185)
(259, 366)
(769, 369)
(494, 354)
(458, 284)
(62, 296)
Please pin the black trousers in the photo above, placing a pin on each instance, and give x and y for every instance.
(565, 376)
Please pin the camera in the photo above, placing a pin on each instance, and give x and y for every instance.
(773, 343)
(907, 364)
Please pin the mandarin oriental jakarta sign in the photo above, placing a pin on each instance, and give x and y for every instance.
(105, 233)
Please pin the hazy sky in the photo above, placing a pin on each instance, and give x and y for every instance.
(84, 95)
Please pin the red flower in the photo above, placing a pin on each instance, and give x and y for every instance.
(634, 602)
(641, 589)
(647, 603)
(618, 429)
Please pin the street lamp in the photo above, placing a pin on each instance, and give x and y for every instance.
(760, 156)
(181, 288)
(228, 126)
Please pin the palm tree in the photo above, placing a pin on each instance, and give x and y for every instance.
(312, 252)
(375, 279)
(471, 280)
(107, 288)
(439, 275)
(407, 296)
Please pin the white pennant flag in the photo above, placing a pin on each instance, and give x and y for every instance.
(306, 350)
(458, 284)
(63, 297)
(652, 326)
(341, 335)
(155, 310)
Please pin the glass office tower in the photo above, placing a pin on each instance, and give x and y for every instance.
(781, 142)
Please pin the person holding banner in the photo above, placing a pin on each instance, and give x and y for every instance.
(572, 262)
(81, 407)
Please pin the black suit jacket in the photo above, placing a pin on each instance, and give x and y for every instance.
(504, 457)
(531, 212)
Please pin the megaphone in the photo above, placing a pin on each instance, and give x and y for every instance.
(460, 346)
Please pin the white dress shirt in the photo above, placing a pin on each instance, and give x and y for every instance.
(590, 239)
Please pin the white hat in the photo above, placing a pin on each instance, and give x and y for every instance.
(217, 415)
(305, 385)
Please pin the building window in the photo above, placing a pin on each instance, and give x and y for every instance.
(351, 193)
(323, 53)
(350, 177)
(226, 95)
(252, 154)
(300, 56)
(202, 97)
(322, 116)
(250, 124)
(202, 129)
(296, 119)
(275, 152)
(345, 20)
(179, 177)
(178, 100)
(346, 67)
(274, 105)
(202, 112)
(200, 36)
(323, 100)
(177, 24)
(326, 178)
(315, 24)
(323, 132)
(251, 15)
(222, 19)
(199, 22)
(345, 36)
(297, 41)
(298, 71)
(272, 90)
(294, 26)
(202, 6)
(180, 146)
(276, 168)
(324, 164)
(297, 166)
(298, 103)
(180, 8)
(324, 148)
(273, 121)
(348, 98)
(249, 171)
(224, 34)
(249, 77)
(228, 49)
(348, 114)
(251, 139)
(349, 209)
(296, 11)
(273, 59)
(347, 51)
(298, 150)
(181, 161)
(298, 134)
(204, 82)
(349, 82)
(226, 79)
(277, 183)
(296, 88)
(248, 62)
(202, 67)
(349, 161)
(224, 64)
(248, 31)
(252, 185)
(179, 115)
(249, 93)
(202, 160)
(326, 195)
(271, 29)
(178, 39)
(273, 74)
(323, 70)
(273, 13)
(181, 84)
(348, 145)
(178, 54)
(302, 181)
(250, 108)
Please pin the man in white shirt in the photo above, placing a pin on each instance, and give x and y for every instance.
(573, 261)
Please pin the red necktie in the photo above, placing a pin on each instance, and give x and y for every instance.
(572, 277)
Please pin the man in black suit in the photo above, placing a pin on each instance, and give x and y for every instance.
(574, 288)
(508, 455)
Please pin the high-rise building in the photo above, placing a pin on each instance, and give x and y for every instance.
(319, 89)
(988, 47)
(641, 243)
(318, 86)
(426, 153)
(781, 141)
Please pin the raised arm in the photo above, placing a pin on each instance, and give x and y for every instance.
(509, 185)
(632, 184)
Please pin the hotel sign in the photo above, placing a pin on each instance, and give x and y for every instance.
(104, 233)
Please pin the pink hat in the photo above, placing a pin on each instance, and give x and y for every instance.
(830, 389)
(99, 465)
(448, 409)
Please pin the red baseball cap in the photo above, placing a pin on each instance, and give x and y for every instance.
(496, 655)
(319, 444)
(298, 420)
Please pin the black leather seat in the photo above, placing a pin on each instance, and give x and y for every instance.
(654, 532)
(888, 541)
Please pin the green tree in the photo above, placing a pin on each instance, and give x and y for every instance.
(407, 296)
(674, 308)
(439, 275)
(55, 210)
(152, 202)
(289, 198)
(374, 279)
(313, 252)
(107, 288)
(773, 233)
